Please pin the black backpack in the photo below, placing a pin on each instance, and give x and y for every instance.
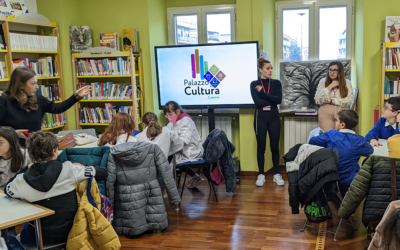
(317, 209)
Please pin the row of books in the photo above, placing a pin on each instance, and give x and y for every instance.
(52, 120)
(392, 60)
(107, 90)
(102, 115)
(43, 67)
(392, 88)
(51, 92)
(92, 67)
(3, 70)
(33, 42)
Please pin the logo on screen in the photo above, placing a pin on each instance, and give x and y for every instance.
(213, 75)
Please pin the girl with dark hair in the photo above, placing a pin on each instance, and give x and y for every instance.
(333, 94)
(23, 110)
(119, 131)
(267, 94)
(12, 157)
(182, 124)
(387, 233)
(153, 132)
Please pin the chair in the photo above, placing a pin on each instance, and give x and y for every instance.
(89, 131)
(179, 168)
(340, 221)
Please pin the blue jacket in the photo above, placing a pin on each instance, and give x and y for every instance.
(350, 147)
(382, 130)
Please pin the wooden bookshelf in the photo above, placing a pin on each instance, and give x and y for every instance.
(34, 27)
(386, 72)
(135, 79)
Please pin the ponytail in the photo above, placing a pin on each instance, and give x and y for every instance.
(153, 126)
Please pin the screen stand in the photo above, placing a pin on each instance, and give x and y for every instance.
(211, 119)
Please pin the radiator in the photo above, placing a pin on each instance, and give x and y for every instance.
(297, 130)
(221, 122)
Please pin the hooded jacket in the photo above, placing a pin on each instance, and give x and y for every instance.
(316, 167)
(52, 185)
(134, 189)
(218, 147)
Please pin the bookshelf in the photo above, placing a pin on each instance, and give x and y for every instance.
(35, 28)
(96, 75)
(389, 72)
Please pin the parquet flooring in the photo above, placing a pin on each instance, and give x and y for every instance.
(251, 219)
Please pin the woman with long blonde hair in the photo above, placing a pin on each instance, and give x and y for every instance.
(333, 94)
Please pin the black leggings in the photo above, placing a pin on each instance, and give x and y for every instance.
(268, 121)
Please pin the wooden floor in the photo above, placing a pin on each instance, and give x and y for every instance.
(252, 218)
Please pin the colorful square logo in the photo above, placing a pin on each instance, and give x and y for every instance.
(214, 82)
(214, 69)
(208, 76)
(220, 76)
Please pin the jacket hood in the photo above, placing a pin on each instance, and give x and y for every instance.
(131, 153)
(43, 176)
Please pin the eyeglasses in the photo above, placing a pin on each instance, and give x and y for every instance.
(333, 70)
(170, 114)
(386, 108)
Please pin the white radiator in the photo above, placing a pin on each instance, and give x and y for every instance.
(297, 130)
(221, 122)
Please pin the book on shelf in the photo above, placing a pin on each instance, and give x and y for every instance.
(129, 39)
(3, 70)
(80, 38)
(3, 44)
(102, 115)
(392, 60)
(93, 67)
(392, 87)
(33, 42)
(110, 40)
(51, 92)
(392, 29)
(107, 90)
(53, 120)
(43, 67)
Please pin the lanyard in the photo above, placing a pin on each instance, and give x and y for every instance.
(269, 84)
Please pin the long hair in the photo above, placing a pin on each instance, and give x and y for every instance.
(391, 231)
(154, 128)
(341, 79)
(20, 77)
(120, 124)
(17, 158)
(171, 105)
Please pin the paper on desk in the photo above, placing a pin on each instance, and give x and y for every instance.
(13, 209)
(382, 150)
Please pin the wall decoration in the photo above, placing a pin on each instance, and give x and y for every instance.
(13, 8)
(80, 38)
(300, 82)
(392, 29)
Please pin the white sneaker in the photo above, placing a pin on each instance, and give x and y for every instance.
(278, 180)
(196, 180)
(260, 180)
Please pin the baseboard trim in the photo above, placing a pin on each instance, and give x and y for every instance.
(282, 169)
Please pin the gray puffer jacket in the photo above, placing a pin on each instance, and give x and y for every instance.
(133, 187)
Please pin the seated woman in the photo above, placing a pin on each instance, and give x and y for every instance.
(153, 132)
(119, 131)
(182, 124)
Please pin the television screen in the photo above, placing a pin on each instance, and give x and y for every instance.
(209, 75)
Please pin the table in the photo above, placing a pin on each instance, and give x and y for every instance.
(16, 212)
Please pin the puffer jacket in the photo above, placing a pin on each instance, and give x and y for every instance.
(309, 172)
(91, 230)
(134, 189)
(374, 182)
(218, 147)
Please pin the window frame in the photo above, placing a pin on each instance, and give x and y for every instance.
(313, 6)
(201, 12)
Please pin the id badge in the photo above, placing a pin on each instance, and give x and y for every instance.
(267, 108)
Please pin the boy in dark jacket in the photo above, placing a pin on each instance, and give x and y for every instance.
(50, 184)
(388, 125)
(349, 145)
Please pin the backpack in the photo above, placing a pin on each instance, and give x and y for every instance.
(317, 209)
(107, 209)
(213, 173)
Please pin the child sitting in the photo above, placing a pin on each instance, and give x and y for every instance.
(119, 131)
(388, 125)
(12, 157)
(50, 184)
(153, 132)
(182, 124)
(349, 145)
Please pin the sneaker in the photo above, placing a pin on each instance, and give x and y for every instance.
(195, 181)
(278, 180)
(260, 180)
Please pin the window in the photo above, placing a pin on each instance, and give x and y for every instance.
(314, 30)
(204, 24)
